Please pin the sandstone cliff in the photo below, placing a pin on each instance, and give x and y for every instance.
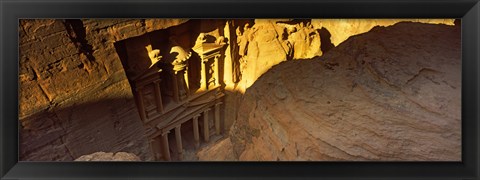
(257, 45)
(390, 94)
(74, 96)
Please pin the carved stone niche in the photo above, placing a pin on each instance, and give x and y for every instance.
(211, 55)
(148, 94)
(159, 83)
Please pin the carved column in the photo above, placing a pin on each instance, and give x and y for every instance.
(196, 134)
(185, 78)
(206, 129)
(216, 71)
(175, 88)
(158, 96)
(217, 117)
(204, 81)
(155, 145)
(165, 147)
(178, 138)
(141, 105)
(182, 82)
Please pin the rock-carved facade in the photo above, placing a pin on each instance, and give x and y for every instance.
(170, 91)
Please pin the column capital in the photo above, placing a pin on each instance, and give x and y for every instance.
(157, 81)
(165, 132)
(139, 88)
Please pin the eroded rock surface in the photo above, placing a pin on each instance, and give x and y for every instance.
(103, 156)
(390, 94)
(220, 151)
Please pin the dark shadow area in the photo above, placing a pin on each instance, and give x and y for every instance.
(296, 21)
(458, 22)
(325, 41)
(77, 34)
(210, 39)
(64, 134)
(237, 28)
(122, 54)
(194, 70)
(108, 125)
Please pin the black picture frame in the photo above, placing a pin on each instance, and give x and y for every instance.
(467, 10)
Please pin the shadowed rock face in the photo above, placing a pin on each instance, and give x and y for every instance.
(74, 97)
(390, 94)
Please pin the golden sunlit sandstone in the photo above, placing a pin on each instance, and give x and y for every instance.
(103, 156)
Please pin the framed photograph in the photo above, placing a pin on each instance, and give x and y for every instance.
(239, 89)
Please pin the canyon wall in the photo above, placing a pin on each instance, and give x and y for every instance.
(393, 93)
(74, 96)
(257, 45)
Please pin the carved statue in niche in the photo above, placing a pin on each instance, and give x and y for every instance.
(153, 54)
(211, 70)
(200, 40)
(179, 62)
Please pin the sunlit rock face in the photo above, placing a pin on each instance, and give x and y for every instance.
(390, 94)
(268, 42)
(340, 30)
(104, 156)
